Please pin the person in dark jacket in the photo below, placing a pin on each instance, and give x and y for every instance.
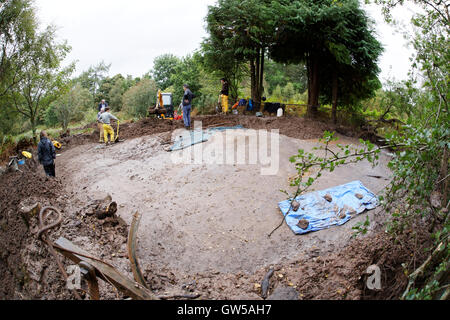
(102, 105)
(224, 95)
(47, 155)
(187, 106)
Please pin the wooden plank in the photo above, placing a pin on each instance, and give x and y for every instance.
(132, 235)
(104, 270)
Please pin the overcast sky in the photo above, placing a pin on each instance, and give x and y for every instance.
(130, 34)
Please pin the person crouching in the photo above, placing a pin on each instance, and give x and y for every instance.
(106, 118)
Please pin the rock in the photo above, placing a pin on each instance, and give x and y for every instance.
(295, 205)
(342, 215)
(328, 197)
(359, 196)
(303, 224)
(435, 199)
(284, 293)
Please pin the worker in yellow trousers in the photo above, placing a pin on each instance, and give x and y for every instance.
(224, 95)
(106, 118)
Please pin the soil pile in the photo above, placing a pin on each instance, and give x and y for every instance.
(27, 269)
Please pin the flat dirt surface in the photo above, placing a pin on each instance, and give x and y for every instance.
(205, 225)
(206, 217)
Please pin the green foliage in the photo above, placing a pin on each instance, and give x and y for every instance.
(421, 163)
(93, 77)
(69, 107)
(138, 99)
(164, 67)
(42, 78)
(187, 72)
(241, 32)
(118, 88)
(222, 62)
(18, 26)
(361, 227)
(280, 74)
(337, 42)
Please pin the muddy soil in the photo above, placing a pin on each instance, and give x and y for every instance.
(204, 227)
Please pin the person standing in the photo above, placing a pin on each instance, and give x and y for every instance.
(47, 154)
(105, 119)
(102, 105)
(100, 124)
(187, 106)
(224, 95)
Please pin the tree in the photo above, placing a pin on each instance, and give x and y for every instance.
(164, 67)
(223, 62)
(106, 87)
(138, 99)
(69, 107)
(328, 35)
(17, 31)
(246, 28)
(93, 77)
(119, 87)
(43, 79)
(187, 72)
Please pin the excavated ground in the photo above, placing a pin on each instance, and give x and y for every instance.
(205, 226)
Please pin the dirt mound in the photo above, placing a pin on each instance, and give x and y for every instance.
(27, 269)
(342, 275)
(290, 126)
(316, 275)
(15, 187)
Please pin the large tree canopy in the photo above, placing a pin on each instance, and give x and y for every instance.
(335, 40)
(246, 29)
(17, 30)
(164, 67)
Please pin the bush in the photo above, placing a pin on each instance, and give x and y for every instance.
(138, 99)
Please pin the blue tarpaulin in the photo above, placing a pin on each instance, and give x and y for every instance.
(190, 138)
(322, 214)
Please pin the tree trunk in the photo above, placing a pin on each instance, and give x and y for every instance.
(253, 79)
(33, 129)
(257, 101)
(444, 176)
(261, 74)
(334, 96)
(313, 86)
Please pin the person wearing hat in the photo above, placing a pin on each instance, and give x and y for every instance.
(105, 119)
(224, 95)
(187, 106)
(47, 154)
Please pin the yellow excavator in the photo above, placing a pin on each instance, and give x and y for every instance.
(164, 106)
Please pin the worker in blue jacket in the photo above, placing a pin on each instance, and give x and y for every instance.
(47, 154)
(187, 106)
